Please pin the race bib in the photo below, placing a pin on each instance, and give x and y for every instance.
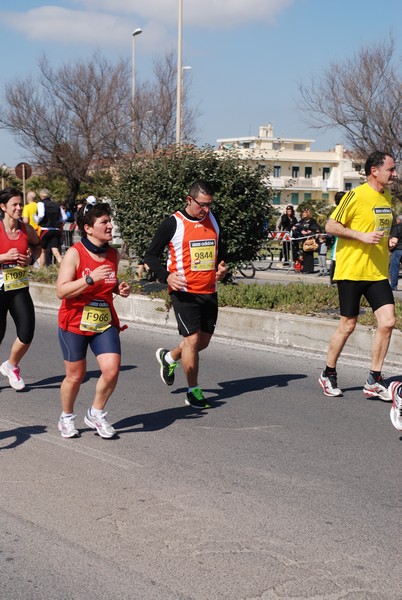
(96, 317)
(382, 219)
(15, 277)
(202, 254)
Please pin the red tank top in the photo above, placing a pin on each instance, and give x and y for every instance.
(193, 252)
(71, 309)
(21, 243)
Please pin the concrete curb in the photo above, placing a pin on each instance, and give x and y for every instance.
(244, 325)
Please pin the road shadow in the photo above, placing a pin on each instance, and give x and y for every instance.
(160, 419)
(20, 435)
(237, 387)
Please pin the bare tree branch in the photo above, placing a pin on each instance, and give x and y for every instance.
(362, 97)
(73, 118)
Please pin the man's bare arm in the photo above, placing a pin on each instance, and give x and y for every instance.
(337, 229)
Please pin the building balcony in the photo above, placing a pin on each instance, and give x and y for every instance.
(302, 183)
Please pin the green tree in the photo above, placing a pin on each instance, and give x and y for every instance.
(152, 188)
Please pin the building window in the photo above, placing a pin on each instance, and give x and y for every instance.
(277, 171)
(299, 146)
(325, 172)
(308, 171)
(276, 146)
(276, 198)
(325, 196)
(348, 187)
(294, 196)
(295, 172)
(307, 196)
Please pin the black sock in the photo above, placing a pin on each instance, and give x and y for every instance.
(329, 371)
(375, 375)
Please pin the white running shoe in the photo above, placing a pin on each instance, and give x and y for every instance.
(377, 389)
(67, 428)
(330, 385)
(13, 375)
(396, 410)
(100, 423)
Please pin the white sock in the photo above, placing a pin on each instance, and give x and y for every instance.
(95, 411)
(169, 359)
(66, 415)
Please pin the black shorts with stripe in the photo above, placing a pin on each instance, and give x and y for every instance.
(195, 312)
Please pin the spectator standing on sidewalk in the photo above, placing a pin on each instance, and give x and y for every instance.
(322, 255)
(395, 246)
(286, 223)
(307, 226)
(194, 266)
(362, 222)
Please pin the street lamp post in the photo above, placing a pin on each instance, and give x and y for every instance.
(186, 68)
(179, 74)
(135, 33)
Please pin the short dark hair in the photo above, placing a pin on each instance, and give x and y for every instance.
(376, 159)
(88, 214)
(8, 193)
(338, 197)
(201, 186)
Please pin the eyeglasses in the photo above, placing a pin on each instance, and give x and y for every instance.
(202, 204)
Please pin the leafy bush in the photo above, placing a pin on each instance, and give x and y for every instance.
(153, 187)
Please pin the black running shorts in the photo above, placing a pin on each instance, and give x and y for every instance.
(195, 312)
(377, 294)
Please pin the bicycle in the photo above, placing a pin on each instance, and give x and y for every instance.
(247, 269)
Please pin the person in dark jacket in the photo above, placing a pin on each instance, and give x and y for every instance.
(288, 222)
(50, 218)
(307, 226)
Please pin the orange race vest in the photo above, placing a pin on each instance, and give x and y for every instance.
(193, 252)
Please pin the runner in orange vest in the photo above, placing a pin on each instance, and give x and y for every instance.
(194, 266)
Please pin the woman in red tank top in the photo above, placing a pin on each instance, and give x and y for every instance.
(16, 241)
(86, 284)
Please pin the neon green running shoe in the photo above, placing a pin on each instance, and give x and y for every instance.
(166, 371)
(196, 399)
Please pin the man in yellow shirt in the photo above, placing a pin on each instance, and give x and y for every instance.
(362, 222)
(29, 210)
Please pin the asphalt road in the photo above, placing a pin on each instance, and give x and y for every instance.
(276, 493)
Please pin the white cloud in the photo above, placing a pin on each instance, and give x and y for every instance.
(208, 14)
(109, 23)
(69, 27)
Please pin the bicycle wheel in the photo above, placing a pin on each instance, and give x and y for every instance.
(264, 260)
(247, 270)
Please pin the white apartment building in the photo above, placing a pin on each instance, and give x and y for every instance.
(295, 171)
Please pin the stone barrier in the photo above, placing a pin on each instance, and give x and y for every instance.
(244, 325)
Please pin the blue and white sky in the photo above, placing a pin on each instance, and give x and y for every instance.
(247, 56)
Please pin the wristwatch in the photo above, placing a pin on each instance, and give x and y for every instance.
(89, 280)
